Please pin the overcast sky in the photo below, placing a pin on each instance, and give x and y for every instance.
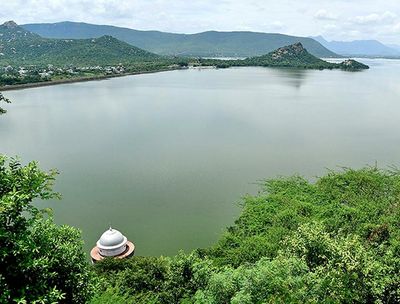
(334, 19)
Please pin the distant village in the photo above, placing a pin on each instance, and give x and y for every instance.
(11, 74)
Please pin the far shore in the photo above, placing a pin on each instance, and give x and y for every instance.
(80, 79)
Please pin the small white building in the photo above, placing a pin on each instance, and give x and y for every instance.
(112, 243)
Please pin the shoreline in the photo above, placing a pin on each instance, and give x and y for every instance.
(82, 79)
(175, 68)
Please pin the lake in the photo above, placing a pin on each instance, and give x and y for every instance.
(166, 157)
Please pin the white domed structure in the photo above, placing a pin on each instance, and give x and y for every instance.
(112, 243)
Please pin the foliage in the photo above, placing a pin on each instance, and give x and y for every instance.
(352, 65)
(155, 280)
(7, 79)
(3, 99)
(314, 267)
(19, 46)
(40, 262)
(333, 241)
(278, 281)
(342, 269)
(112, 295)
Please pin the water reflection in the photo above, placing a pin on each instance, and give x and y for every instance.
(292, 77)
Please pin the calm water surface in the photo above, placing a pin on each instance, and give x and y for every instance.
(166, 157)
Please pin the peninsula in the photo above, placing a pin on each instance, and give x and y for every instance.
(291, 56)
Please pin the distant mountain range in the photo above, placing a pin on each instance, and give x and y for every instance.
(206, 44)
(394, 46)
(19, 46)
(371, 48)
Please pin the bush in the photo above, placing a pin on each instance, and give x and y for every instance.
(40, 262)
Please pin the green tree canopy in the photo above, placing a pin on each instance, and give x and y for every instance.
(40, 262)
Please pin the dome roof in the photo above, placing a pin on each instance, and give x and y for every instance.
(111, 238)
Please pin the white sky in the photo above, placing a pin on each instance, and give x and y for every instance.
(334, 19)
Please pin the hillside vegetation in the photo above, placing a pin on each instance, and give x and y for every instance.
(19, 46)
(291, 56)
(333, 241)
(206, 44)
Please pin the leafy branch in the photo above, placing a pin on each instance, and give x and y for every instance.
(6, 100)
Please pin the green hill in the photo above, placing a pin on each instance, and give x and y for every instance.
(351, 64)
(206, 44)
(291, 56)
(19, 46)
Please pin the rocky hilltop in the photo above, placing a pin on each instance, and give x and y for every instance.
(293, 50)
(10, 24)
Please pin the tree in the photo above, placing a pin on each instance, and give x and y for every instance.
(6, 100)
(40, 262)
(341, 268)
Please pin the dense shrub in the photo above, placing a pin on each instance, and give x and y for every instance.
(40, 262)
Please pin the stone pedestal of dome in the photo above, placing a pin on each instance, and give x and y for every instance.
(112, 244)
